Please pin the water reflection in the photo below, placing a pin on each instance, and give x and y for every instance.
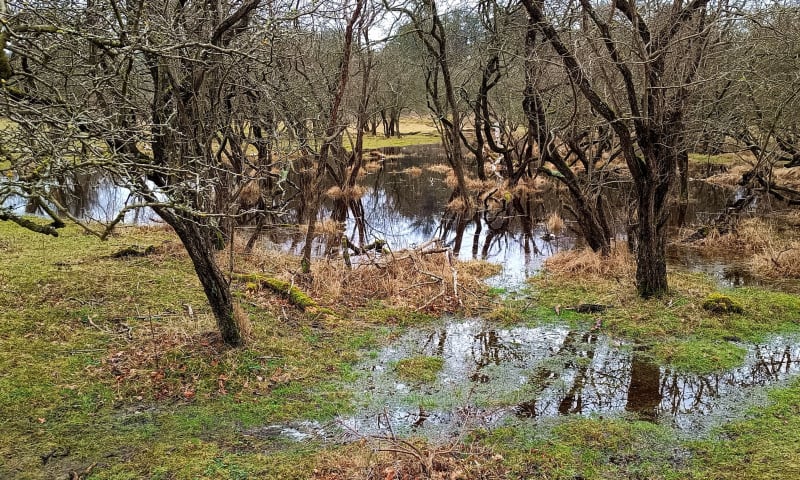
(491, 373)
(406, 208)
(87, 196)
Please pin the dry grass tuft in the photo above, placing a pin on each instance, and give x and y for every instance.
(450, 180)
(458, 205)
(774, 262)
(532, 186)
(430, 280)
(472, 183)
(787, 177)
(585, 262)
(250, 194)
(413, 171)
(439, 168)
(372, 167)
(242, 322)
(751, 235)
(555, 224)
(324, 227)
(336, 193)
(730, 177)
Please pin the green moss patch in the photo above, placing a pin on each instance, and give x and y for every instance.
(419, 369)
(719, 303)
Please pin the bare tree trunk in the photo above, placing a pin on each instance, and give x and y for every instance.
(197, 240)
(651, 264)
(331, 136)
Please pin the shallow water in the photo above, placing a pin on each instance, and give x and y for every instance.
(407, 209)
(493, 375)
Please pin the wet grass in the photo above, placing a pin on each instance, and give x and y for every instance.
(419, 368)
(103, 373)
(694, 338)
(764, 445)
(588, 448)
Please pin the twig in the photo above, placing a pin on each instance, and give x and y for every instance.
(153, 337)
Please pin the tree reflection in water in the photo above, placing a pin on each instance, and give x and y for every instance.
(491, 373)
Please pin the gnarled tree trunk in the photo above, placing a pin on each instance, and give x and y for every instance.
(197, 239)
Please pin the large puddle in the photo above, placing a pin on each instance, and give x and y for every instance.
(491, 375)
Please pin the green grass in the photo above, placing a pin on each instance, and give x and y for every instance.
(587, 448)
(700, 356)
(89, 384)
(379, 141)
(688, 335)
(419, 368)
(83, 370)
(764, 445)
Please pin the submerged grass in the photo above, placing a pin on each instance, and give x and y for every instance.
(419, 368)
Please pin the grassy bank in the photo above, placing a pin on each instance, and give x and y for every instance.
(110, 368)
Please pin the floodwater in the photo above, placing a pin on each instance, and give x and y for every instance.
(406, 208)
(493, 375)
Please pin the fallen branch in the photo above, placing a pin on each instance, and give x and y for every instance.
(296, 297)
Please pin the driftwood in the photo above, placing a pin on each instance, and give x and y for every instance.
(377, 246)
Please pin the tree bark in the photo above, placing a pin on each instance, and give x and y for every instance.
(197, 240)
(651, 264)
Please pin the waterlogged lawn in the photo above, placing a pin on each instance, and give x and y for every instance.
(104, 374)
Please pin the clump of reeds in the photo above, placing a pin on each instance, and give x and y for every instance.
(586, 262)
(372, 167)
(351, 193)
(458, 205)
(429, 280)
(555, 224)
(532, 185)
(730, 177)
(413, 171)
(749, 235)
(250, 194)
(324, 227)
(787, 177)
(439, 168)
(774, 262)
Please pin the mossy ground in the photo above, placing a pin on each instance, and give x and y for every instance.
(88, 384)
(419, 368)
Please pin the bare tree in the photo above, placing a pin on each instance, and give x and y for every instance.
(155, 95)
(439, 83)
(655, 50)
